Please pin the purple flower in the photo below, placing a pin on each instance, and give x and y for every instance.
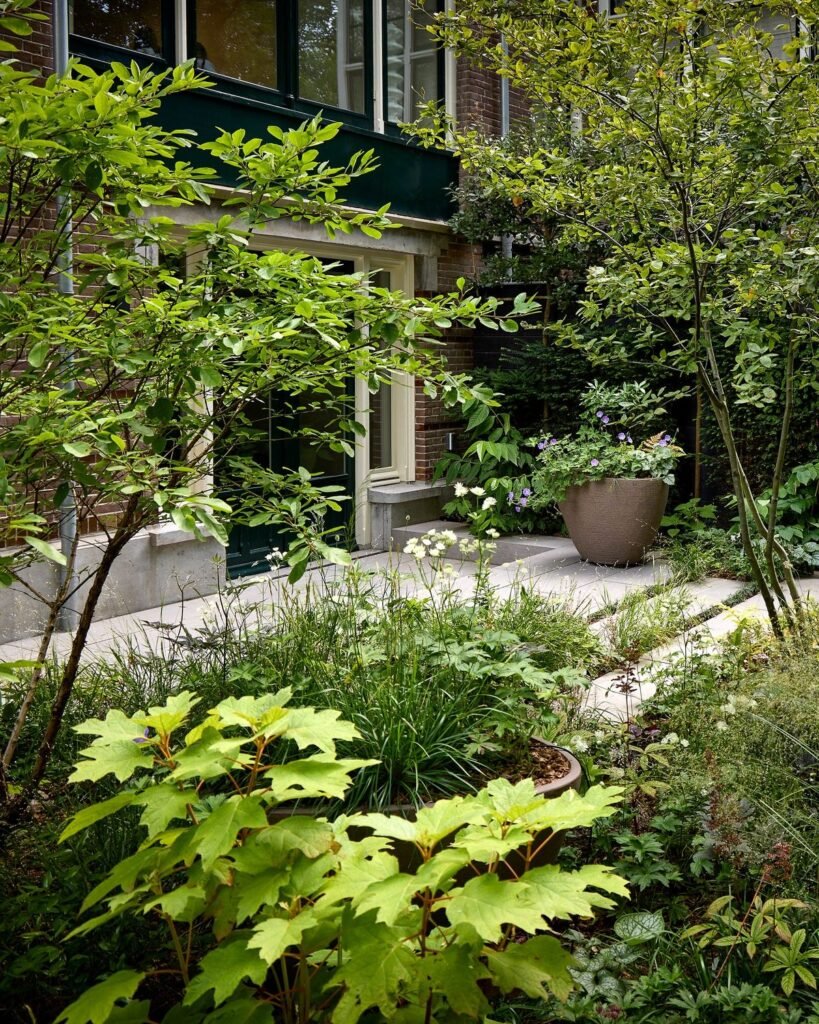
(510, 497)
(621, 436)
(526, 492)
(628, 438)
(553, 441)
(144, 737)
(595, 462)
(517, 508)
(541, 445)
(667, 437)
(600, 414)
(524, 501)
(605, 419)
(662, 444)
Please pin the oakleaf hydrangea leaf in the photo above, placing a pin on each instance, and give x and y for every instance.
(535, 967)
(224, 969)
(95, 1005)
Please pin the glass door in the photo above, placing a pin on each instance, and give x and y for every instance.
(286, 439)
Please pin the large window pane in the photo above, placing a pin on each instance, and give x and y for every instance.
(412, 58)
(136, 24)
(331, 53)
(237, 38)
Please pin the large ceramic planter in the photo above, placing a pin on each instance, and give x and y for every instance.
(614, 521)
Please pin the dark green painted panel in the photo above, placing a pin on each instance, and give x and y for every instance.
(414, 181)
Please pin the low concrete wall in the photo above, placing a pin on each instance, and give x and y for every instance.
(396, 505)
(159, 566)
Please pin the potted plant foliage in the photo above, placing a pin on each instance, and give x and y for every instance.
(611, 486)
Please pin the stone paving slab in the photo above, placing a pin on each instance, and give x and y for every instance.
(605, 695)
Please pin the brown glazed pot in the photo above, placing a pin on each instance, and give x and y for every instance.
(614, 521)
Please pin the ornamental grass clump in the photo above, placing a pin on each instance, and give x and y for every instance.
(604, 445)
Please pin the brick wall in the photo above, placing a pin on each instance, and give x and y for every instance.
(36, 50)
(479, 106)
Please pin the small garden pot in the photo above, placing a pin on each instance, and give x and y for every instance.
(614, 521)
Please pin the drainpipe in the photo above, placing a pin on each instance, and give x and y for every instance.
(65, 285)
(506, 240)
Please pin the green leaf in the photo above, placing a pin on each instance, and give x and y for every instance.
(224, 969)
(454, 973)
(80, 449)
(560, 894)
(431, 825)
(488, 904)
(118, 757)
(311, 728)
(216, 835)
(96, 1005)
(47, 550)
(376, 968)
(537, 967)
(641, 927)
(38, 353)
(276, 934)
(318, 776)
(96, 812)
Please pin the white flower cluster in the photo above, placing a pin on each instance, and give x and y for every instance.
(434, 543)
(275, 556)
(739, 702)
(578, 744)
(672, 739)
(461, 491)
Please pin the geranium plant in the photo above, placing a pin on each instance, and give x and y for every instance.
(607, 444)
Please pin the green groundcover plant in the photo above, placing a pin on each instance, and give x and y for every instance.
(280, 916)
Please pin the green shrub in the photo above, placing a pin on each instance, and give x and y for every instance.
(289, 912)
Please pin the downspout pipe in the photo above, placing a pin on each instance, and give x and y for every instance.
(65, 286)
(506, 240)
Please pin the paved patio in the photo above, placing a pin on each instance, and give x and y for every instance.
(549, 566)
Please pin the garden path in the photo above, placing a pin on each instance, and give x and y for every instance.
(549, 565)
(552, 566)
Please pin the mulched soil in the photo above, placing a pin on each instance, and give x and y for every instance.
(546, 764)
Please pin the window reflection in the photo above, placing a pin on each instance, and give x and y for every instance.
(331, 53)
(135, 24)
(237, 38)
(412, 58)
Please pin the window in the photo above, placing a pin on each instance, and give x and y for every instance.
(331, 53)
(135, 24)
(413, 73)
(314, 54)
(238, 39)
